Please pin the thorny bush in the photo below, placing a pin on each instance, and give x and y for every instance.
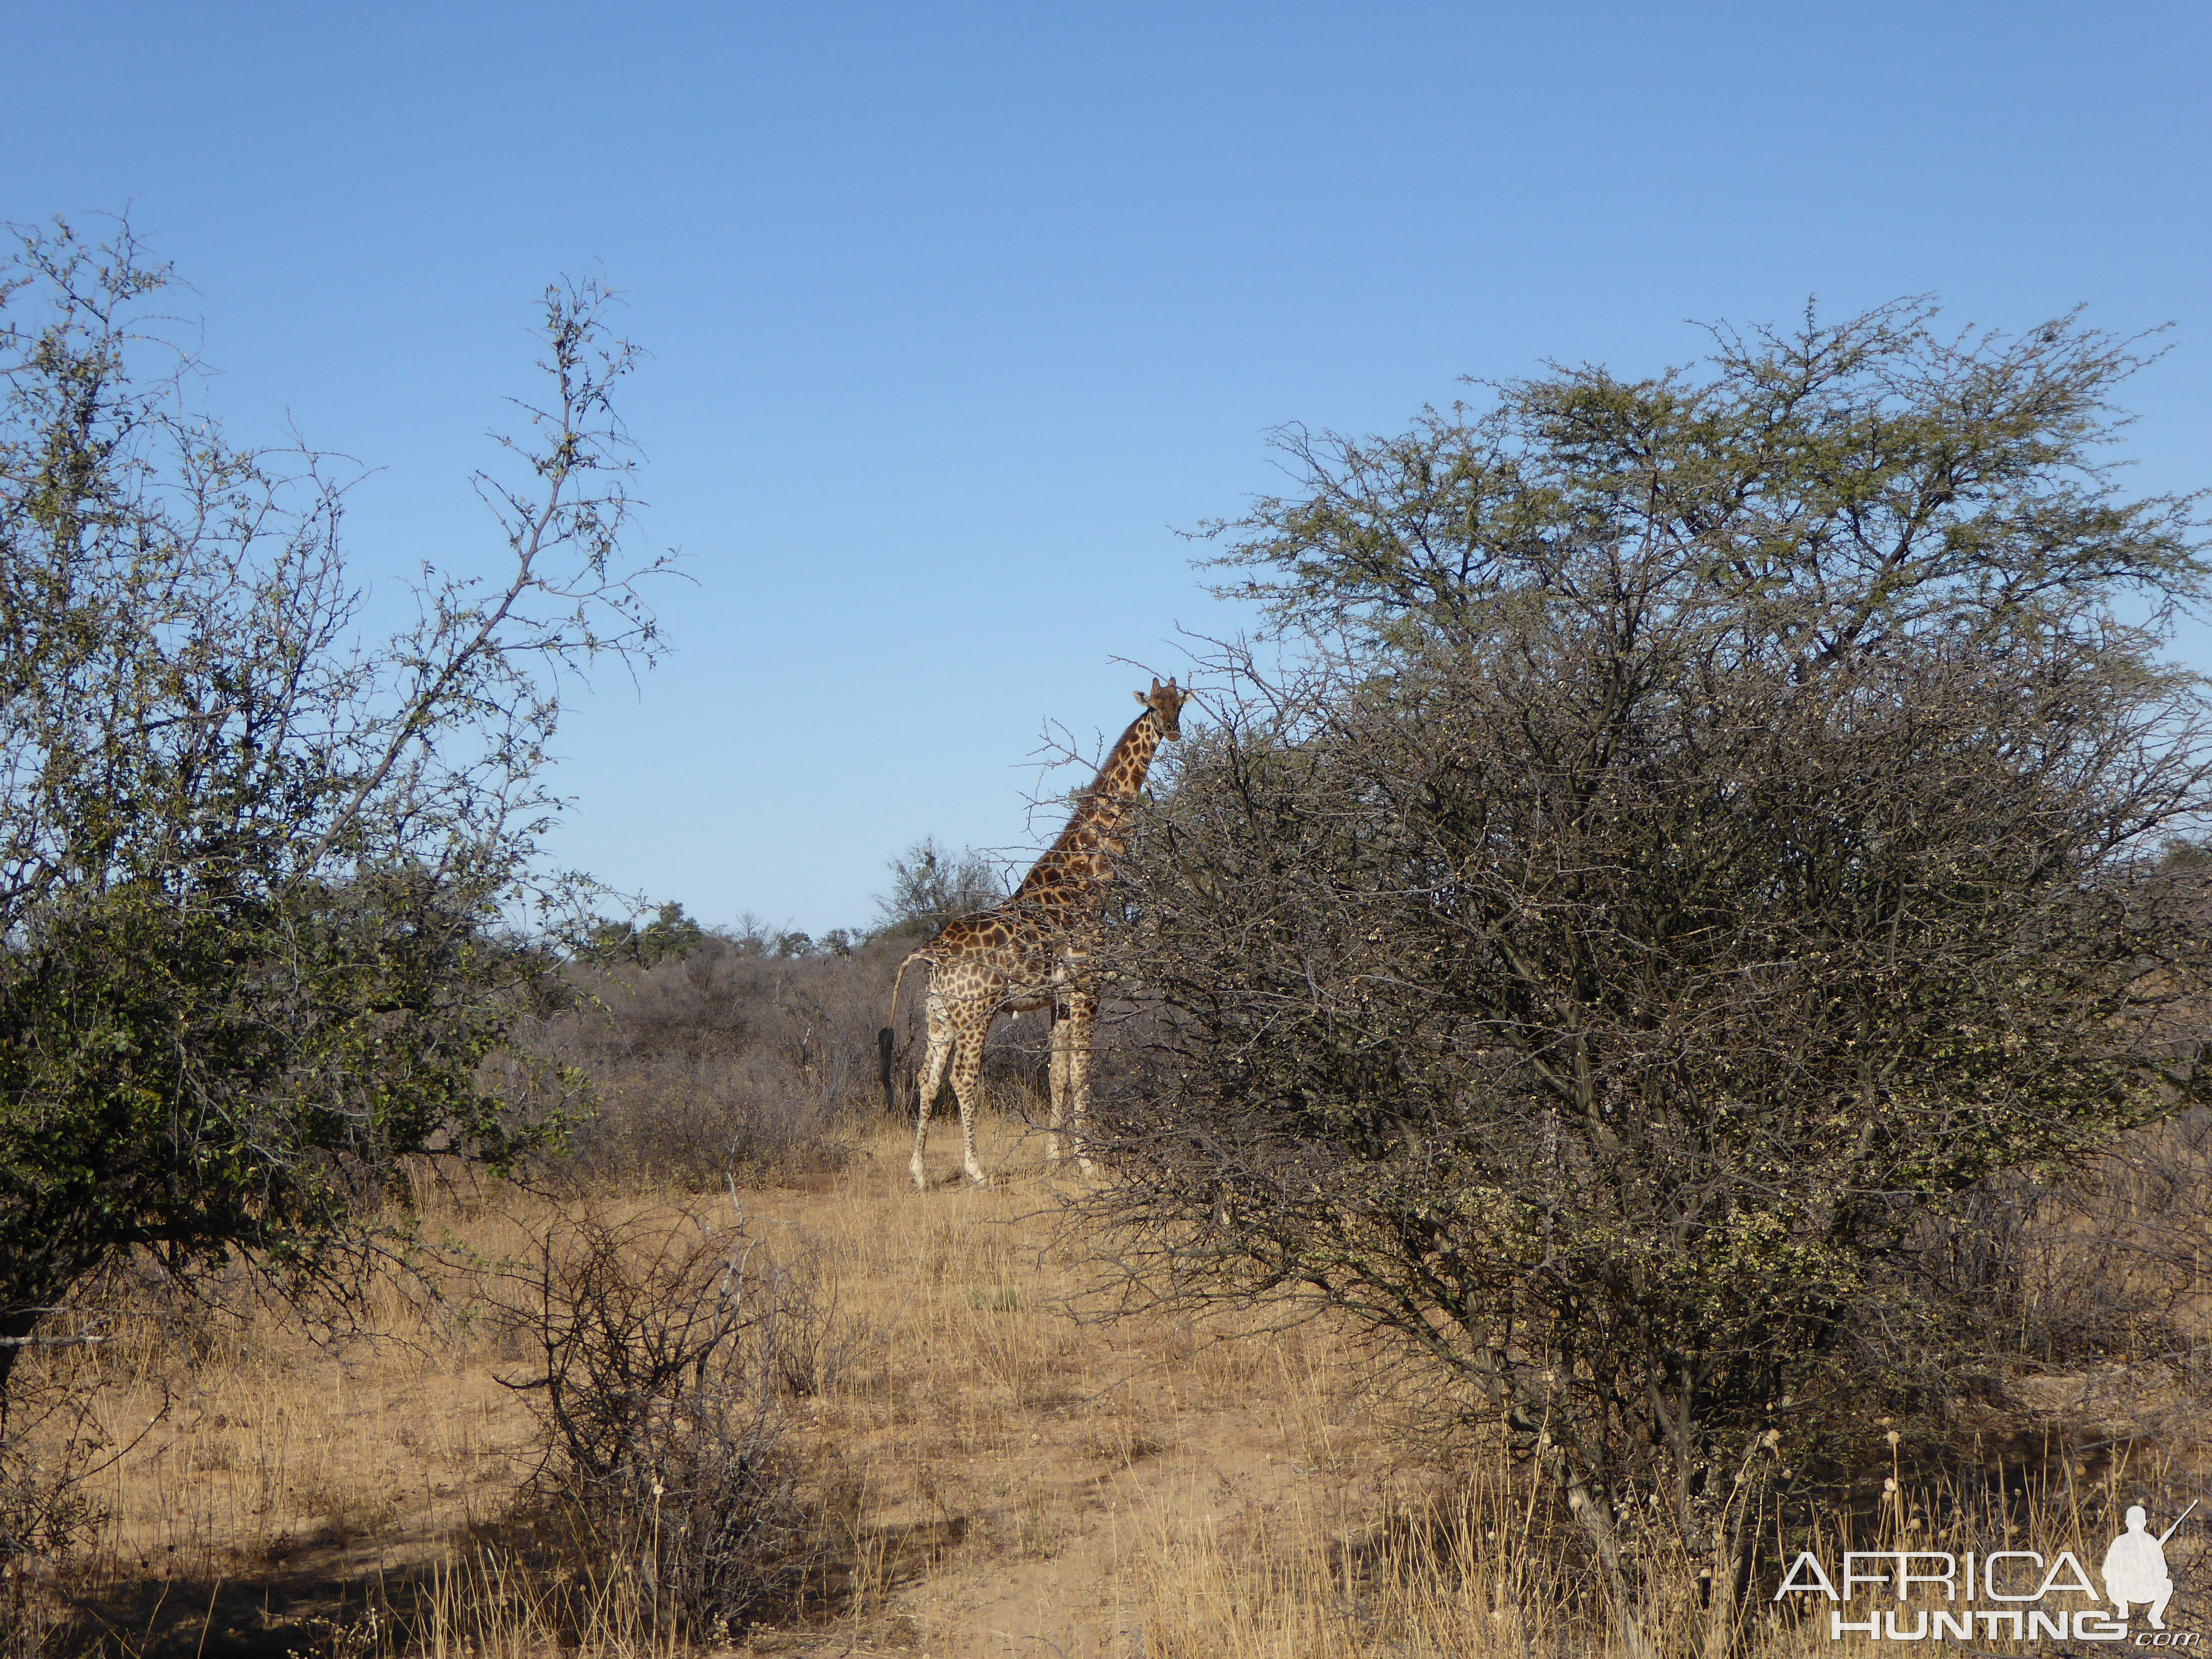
(1709, 831)
(666, 1349)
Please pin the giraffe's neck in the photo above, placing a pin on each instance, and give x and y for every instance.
(1080, 858)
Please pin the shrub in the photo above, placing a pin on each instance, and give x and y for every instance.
(728, 1057)
(50, 1441)
(666, 1350)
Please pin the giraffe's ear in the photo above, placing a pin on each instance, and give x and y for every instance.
(1142, 698)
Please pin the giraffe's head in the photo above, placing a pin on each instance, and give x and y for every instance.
(1167, 702)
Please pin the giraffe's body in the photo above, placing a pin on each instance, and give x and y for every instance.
(1031, 952)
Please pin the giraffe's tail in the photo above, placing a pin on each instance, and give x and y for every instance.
(887, 1039)
(891, 1023)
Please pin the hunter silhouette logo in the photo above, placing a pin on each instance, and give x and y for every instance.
(2007, 1595)
(2135, 1567)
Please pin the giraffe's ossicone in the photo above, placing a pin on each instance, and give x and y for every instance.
(1032, 952)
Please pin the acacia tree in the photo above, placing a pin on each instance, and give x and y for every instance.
(253, 867)
(1722, 831)
(930, 885)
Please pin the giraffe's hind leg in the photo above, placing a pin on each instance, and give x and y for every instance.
(968, 1086)
(933, 1082)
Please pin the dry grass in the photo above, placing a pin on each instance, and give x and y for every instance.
(1003, 1478)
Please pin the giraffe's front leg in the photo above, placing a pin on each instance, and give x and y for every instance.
(1081, 1022)
(1058, 1075)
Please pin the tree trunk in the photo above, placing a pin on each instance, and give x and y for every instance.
(1591, 1509)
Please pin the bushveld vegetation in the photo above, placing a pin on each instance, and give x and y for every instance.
(1711, 837)
(1666, 1036)
(925, 1441)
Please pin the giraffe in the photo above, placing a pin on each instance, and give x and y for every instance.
(1030, 952)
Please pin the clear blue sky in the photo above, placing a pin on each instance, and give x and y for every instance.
(960, 312)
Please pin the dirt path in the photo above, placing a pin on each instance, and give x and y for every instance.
(1013, 1479)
